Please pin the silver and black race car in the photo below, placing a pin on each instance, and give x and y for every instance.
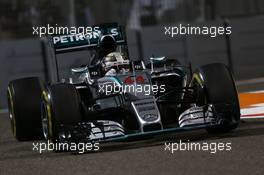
(114, 98)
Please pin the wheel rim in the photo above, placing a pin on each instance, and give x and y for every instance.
(199, 91)
(11, 112)
(44, 121)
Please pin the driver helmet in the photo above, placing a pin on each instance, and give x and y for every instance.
(107, 44)
(115, 62)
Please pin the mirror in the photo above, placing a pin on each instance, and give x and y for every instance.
(157, 58)
(79, 70)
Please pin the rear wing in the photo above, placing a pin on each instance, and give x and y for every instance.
(88, 40)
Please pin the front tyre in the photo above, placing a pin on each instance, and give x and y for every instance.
(214, 84)
(61, 105)
(24, 97)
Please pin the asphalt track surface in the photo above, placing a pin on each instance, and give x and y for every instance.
(143, 156)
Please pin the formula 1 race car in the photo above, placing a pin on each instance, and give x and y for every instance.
(114, 98)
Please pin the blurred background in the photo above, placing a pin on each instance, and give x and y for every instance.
(22, 54)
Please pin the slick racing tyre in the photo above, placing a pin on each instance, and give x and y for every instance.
(60, 106)
(24, 99)
(215, 85)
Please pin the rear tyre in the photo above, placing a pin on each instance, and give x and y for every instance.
(61, 105)
(215, 85)
(24, 99)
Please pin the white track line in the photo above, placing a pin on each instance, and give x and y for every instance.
(254, 109)
(253, 117)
